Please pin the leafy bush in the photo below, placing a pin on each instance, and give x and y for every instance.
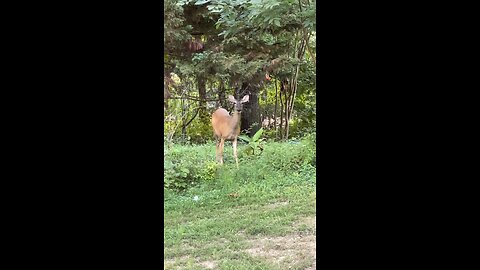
(254, 143)
(185, 166)
(200, 131)
(287, 157)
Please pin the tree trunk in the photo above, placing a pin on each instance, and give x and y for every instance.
(202, 93)
(184, 120)
(221, 95)
(285, 108)
(281, 111)
(166, 96)
(275, 110)
(250, 121)
(265, 111)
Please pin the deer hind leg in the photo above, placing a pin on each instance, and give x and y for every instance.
(222, 142)
(234, 144)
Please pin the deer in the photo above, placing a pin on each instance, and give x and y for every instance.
(227, 127)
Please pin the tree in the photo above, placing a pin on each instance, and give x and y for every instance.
(235, 47)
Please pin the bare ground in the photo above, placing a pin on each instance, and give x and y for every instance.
(294, 251)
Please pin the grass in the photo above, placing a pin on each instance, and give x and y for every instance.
(256, 217)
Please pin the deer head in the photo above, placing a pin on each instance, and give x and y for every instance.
(238, 104)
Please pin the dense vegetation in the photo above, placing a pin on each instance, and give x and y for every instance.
(216, 48)
(191, 165)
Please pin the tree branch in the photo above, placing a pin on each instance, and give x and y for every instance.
(194, 98)
(196, 113)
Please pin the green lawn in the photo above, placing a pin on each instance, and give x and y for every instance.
(243, 219)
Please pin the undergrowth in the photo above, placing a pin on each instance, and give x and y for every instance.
(186, 166)
(221, 217)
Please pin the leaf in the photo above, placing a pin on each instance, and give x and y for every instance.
(244, 138)
(201, 2)
(257, 135)
(277, 23)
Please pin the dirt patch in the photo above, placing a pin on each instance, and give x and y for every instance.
(208, 264)
(168, 264)
(286, 251)
(171, 263)
(276, 205)
(308, 222)
(179, 263)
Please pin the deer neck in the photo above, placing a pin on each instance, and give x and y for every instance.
(236, 121)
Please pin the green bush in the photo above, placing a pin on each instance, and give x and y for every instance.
(189, 165)
(287, 157)
(200, 131)
(255, 143)
(186, 166)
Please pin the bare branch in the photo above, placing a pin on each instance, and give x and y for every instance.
(194, 98)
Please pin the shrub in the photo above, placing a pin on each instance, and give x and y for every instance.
(255, 143)
(200, 131)
(185, 166)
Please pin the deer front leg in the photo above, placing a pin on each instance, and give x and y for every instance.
(234, 144)
(222, 142)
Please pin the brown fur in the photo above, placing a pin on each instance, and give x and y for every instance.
(227, 127)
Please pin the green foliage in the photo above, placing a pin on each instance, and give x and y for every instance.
(241, 40)
(288, 157)
(200, 131)
(254, 143)
(174, 26)
(187, 166)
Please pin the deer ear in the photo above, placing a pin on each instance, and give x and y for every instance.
(244, 99)
(231, 99)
